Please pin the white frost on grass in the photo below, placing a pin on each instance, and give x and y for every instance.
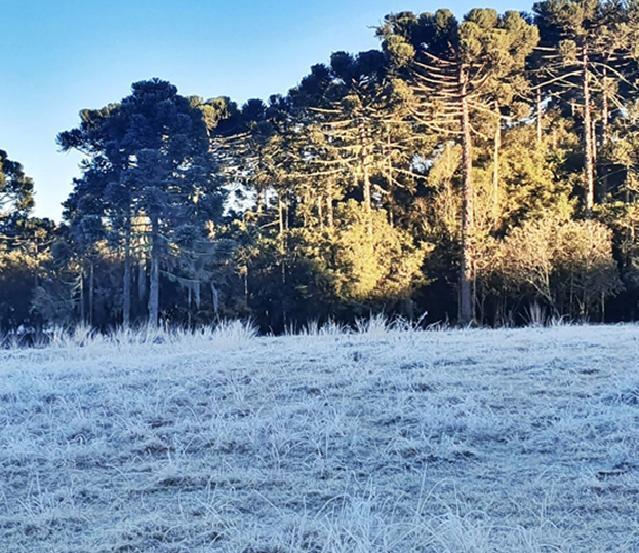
(383, 440)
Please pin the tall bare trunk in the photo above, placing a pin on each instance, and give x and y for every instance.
(467, 276)
(604, 133)
(367, 199)
(539, 116)
(246, 286)
(281, 237)
(83, 318)
(126, 278)
(91, 291)
(389, 175)
(142, 277)
(593, 135)
(320, 210)
(496, 147)
(260, 201)
(154, 288)
(364, 169)
(605, 110)
(589, 177)
(280, 218)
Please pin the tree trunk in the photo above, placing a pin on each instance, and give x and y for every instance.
(389, 175)
(496, 147)
(281, 238)
(246, 287)
(605, 111)
(604, 133)
(83, 318)
(215, 299)
(466, 309)
(126, 278)
(589, 178)
(329, 203)
(154, 288)
(366, 182)
(593, 134)
(539, 116)
(260, 201)
(280, 220)
(142, 278)
(91, 289)
(367, 199)
(320, 211)
(629, 234)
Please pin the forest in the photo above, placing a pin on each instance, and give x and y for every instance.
(477, 170)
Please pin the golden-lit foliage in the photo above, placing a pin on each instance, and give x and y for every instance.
(469, 167)
(377, 266)
(566, 264)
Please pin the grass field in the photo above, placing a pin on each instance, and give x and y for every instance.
(384, 441)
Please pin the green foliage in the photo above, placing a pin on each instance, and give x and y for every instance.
(18, 274)
(533, 183)
(371, 268)
(148, 160)
(342, 271)
(458, 161)
(16, 189)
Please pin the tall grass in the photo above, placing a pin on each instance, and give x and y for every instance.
(227, 333)
(84, 337)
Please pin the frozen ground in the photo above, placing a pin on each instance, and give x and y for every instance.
(467, 441)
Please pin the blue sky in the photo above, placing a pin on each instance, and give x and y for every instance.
(59, 56)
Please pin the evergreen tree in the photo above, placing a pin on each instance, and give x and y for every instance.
(458, 71)
(151, 154)
(16, 190)
(586, 55)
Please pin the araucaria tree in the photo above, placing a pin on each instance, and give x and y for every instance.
(588, 58)
(16, 189)
(459, 74)
(149, 169)
(477, 167)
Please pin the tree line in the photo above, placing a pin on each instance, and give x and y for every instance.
(480, 170)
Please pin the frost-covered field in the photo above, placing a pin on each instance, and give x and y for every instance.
(384, 441)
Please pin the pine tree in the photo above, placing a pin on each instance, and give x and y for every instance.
(586, 56)
(151, 154)
(16, 189)
(459, 71)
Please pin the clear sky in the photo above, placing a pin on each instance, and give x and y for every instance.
(59, 56)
